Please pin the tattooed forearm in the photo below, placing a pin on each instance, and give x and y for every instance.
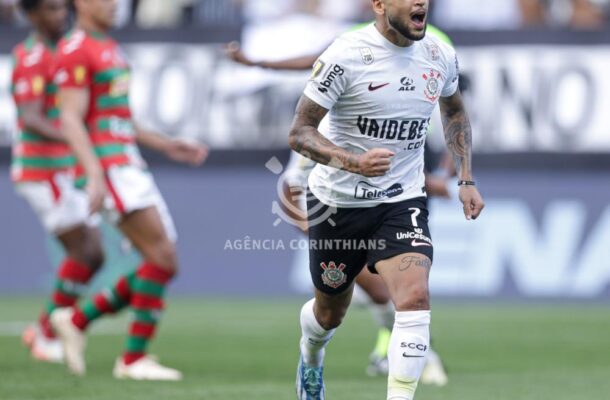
(458, 134)
(305, 139)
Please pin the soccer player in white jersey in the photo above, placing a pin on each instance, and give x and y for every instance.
(379, 86)
(373, 293)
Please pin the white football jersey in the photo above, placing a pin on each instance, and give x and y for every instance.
(379, 95)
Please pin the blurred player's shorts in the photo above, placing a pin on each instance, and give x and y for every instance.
(132, 188)
(59, 205)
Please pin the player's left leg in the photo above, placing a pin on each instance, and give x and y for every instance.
(382, 309)
(404, 264)
(407, 278)
(146, 231)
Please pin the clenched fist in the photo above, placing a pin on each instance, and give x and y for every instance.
(375, 162)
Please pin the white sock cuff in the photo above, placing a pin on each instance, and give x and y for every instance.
(407, 319)
(308, 319)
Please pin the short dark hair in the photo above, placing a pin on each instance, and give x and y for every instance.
(29, 5)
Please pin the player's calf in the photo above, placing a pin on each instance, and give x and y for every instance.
(314, 336)
(407, 278)
(147, 302)
(319, 319)
(407, 352)
(413, 297)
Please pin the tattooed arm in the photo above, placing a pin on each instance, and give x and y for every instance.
(305, 139)
(458, 135)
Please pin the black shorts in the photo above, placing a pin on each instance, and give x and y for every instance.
(342, 244)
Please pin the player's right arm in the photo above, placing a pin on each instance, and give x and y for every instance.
(73, 78)
(330, 78)
(28, 92)
(307, 140)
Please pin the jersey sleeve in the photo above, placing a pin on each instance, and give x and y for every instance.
(453, 75)
(28, 81)
(330, 76)
(72, 68)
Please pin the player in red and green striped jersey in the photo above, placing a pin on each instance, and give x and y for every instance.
(43, 169)
(93, 77)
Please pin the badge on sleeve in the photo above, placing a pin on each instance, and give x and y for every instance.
(317, 69)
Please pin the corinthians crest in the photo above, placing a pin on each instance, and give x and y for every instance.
(333, 275)
(433, 89)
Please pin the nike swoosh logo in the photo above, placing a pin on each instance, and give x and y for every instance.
(419, 244)
(410, 356)
(373, 88)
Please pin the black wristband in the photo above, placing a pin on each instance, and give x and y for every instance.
(466, 183)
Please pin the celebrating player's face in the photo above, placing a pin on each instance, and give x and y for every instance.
(408, 17)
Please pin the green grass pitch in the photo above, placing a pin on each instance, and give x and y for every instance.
(247, 349)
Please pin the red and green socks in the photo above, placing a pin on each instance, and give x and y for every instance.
(72, 276)
(109, 300)
(147, 303)
(143, 291)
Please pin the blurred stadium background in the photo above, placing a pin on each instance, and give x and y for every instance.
(537, 262)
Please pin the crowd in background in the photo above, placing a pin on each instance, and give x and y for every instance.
(517, 14)
(449, 14)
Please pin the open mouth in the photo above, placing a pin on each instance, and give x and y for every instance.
(419, 17)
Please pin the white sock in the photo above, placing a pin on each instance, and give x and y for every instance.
(407, 353)
(314, 338)
(383, 314)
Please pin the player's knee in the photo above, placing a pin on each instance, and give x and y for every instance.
(163, 254)
(90, 253)
(414, 298)
(95, 256)
(330, 318)
(330, 321)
